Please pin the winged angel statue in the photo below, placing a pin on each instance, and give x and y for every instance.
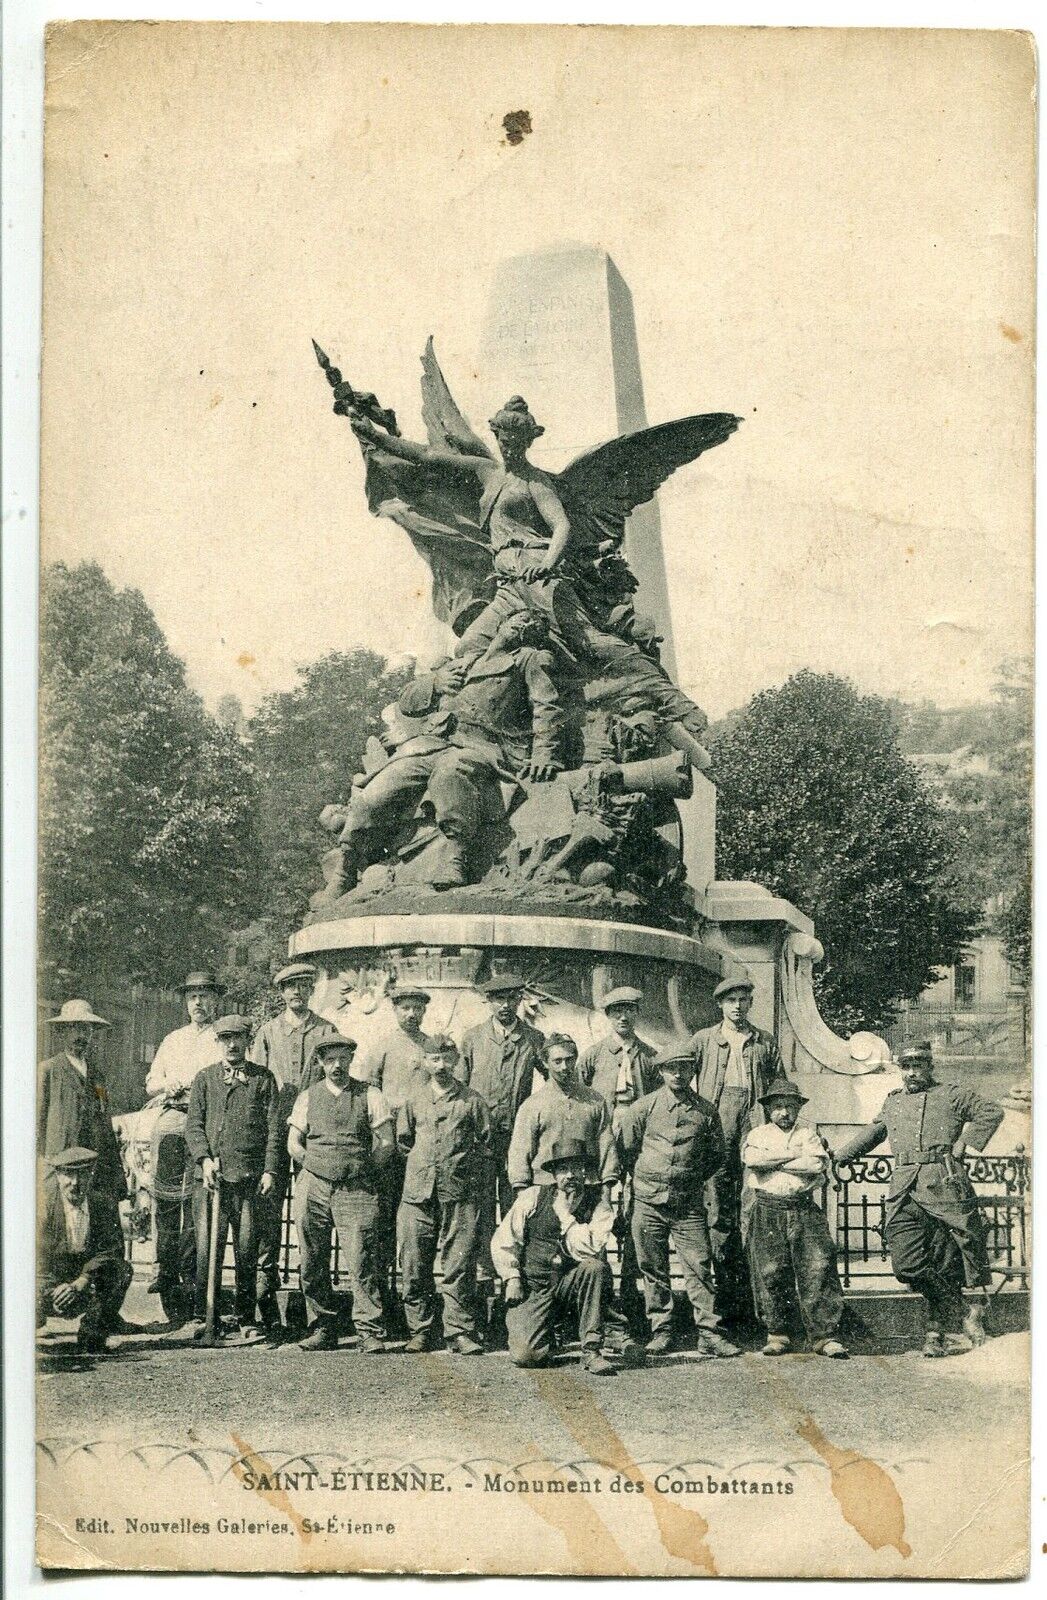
(514, 757)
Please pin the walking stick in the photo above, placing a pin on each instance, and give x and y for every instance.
(211, 1333)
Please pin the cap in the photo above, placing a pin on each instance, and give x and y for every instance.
(921, 1051)
(621, 997)
(79, 1011)
(404, 991)
(439, 1044)
(297, 969)
(503, 983)
(738, 980)
(73, 1159)
(204, 979)
(783, 1089)
(676, 1050)
(333, 1041)
(563, 1150)
(229, 1026)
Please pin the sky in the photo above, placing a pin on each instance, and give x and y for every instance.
(827, 234)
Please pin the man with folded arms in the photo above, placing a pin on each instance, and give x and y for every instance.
(342, 1134)
(444, 1129)
(551, 1250)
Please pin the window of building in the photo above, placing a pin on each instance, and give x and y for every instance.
(964, 985)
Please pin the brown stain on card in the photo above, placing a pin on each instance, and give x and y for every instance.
(1010, 333)
(277, 1498)
(683, 1533)
(864, 1492)
(245, 659)
(517, 125)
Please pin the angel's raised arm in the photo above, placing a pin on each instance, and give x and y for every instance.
(424, 454)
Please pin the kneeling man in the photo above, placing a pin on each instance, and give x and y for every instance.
(83, 1272)
(551, 1250)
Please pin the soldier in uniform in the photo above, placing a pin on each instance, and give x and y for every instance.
(500, 1058)
(935, 1231)
(551, 1250)
(285, 1044)
(82, 1269)
(620, 1066)
(444, 1129)
(390, 1065)
(735, 1063)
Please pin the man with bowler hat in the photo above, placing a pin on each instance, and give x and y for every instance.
(285, 1044)
(180, 1055)
(502, 1061)
(735, 1063)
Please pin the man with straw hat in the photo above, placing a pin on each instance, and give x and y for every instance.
(73, 1107)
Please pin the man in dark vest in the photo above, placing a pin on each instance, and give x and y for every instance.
(735, 1063)
(551, 1251)
(500, 1060)
(72, 1105)
(82, 1269)
(232, 1132)
(935, 1231)
(341, 1132)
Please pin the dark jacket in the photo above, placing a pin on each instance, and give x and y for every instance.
(72, 1110)
(763, 1064)
(502, 1071)
(238, 1124)
(445, 1141)
(673, 1146)
(58, 1263)
(599, 1065)
(922, 1130)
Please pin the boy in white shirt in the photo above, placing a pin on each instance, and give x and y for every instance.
(792, 1258)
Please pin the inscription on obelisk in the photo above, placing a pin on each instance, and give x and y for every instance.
(560, 330)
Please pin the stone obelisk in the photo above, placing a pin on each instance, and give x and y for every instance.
(560, 330)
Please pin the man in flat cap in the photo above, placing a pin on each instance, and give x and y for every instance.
(390, 1064)
(672, 1141)
(285, 1045)
(233, 1135)
(620, 1066)
(82, 1271)
(563, 1108)
(792, 1257)
(72, 1103)
(341, 1132)
(444, 1130)
(180, 1056)
(935, 1231)
(502, 1060)
(551, 1251)
(735, 1063)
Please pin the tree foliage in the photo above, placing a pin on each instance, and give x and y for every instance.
(148, 848)
(817, 802)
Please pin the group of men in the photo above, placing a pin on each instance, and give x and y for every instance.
(510, 1158)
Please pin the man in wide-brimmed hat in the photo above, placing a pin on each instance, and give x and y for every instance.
(286, 1045)
(551, 1251)
(935, 1231)
(180, 1056)
(73, 1107)
(792, 1257)
(735, 1063)
(82, 1271)
(502, 1060)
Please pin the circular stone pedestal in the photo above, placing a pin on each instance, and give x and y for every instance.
(568, 965)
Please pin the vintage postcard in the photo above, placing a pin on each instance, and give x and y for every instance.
(535, 746)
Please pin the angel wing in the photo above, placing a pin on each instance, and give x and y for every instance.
(445, 426)
(600, 489)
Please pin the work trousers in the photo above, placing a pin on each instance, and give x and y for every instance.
(723, 1204)
(319, 1208)
(585, 1290)
(270, 1229)
(99, 1304)
(175, 1243)
(937, 1259)
(448, 1230)
(792, 1259)
(390, 1193)
(653, 1229)
(496, 1196)
(238, 1212)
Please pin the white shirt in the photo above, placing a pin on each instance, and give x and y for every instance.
(735, 1077)
(77, 1221)
(183, 1054)
(378, 1112)
(799, 1144)
(78, 1062)
(581, 1240)
(630, 1079)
